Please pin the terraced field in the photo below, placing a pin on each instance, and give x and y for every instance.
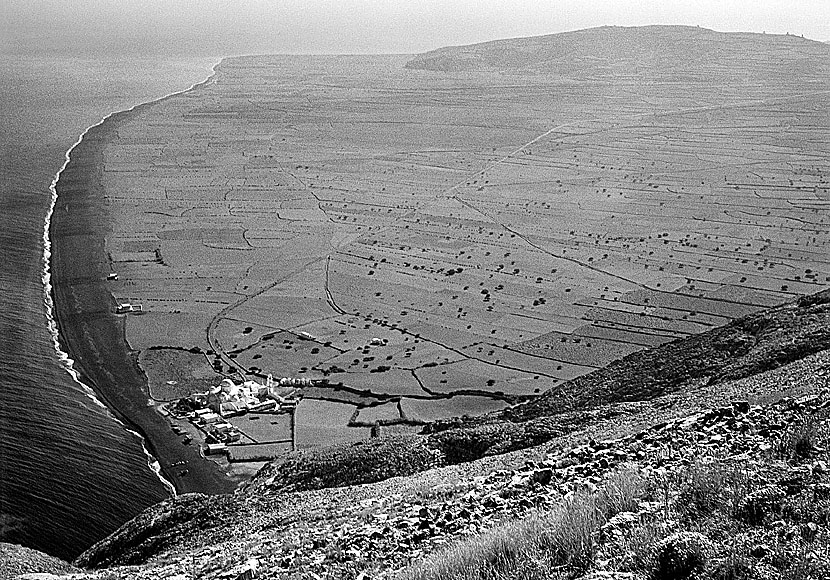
(449, 234)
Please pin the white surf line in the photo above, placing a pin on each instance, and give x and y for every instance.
(46, 277)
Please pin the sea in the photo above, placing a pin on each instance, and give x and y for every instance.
(70, 473)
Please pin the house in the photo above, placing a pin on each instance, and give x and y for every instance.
(214, 448)
(210, 418)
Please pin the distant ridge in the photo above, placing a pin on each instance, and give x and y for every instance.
(634, 50)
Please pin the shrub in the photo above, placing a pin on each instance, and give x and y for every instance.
(797, 561)
(679, 556)
(701, 489)
(633, 553)
(734, 566)
(352, 463)
(571, 531)
(757, 505)
(704, 488)
(801, 438)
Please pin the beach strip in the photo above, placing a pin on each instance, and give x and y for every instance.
(89, 330)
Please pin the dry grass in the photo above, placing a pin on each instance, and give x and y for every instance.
(633, 552)
(802, 438)
(715, 519)
(531, 548)
(707, 487)
(621, 491)
(562, 541)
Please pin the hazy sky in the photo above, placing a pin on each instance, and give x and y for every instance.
(218, 27)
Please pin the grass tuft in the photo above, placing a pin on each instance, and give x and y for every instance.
(621, 492)
(802, 438)
(562, 540)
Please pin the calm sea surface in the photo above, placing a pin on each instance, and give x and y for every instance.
(69, 473)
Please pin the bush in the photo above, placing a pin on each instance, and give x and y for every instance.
(571, 531)
(621, 493)
(701, 489)
(633, 551)
(706, 488)
(801, 438)
(679, 556)
(757, 505)
(734, 566)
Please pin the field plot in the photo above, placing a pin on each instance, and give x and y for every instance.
(447, 237)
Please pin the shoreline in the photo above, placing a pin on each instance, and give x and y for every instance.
(89, 339)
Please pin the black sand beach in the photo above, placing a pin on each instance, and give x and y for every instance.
(90, 330)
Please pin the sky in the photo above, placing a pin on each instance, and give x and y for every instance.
(225, 27)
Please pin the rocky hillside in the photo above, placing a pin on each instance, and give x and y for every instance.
(683, 52)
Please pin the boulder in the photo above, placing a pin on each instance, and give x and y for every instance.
(543, 476)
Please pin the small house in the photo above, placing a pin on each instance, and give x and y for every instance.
(214, 448)
(210, 418)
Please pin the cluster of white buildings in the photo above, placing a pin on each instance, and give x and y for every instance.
(229, 399)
